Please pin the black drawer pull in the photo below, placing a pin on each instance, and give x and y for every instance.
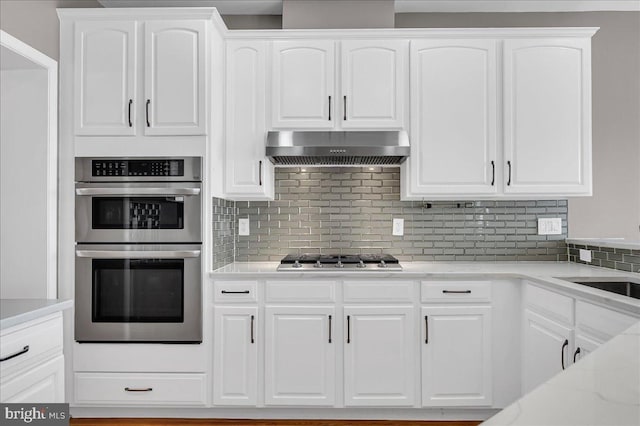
(348, 328)
(565, 344)
(575, 355)
(329, 328)
(456, 291)
(23, 351)
(138, 389)
(235, 292)
(146, 108)
(426, 329)
(252, 327)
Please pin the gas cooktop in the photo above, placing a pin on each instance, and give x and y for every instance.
(333, 262)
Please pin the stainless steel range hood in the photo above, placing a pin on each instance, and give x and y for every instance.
(337, 148)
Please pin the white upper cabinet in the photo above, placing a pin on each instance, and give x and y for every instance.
(105, 72)
(453, 118)
(547, 116)
(373, 79)
(302, 92)
(175, 103)
(248, 173)
(113, 97)
(365, 91)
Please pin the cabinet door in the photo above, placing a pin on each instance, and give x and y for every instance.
(379, 356)
(299, 355)
(235, 380)
(373, 76)
(547, 116)
(248, 174)
(105, 78)
(547, 346)
(43, 383)
(175, 67)
(583, 347)
(302, 87)
(453, 116)
(456, 356)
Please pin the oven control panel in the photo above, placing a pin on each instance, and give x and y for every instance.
(147, 168)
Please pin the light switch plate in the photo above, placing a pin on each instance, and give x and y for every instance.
(585, 255)
(398, 226)
(549, 226)
(243, 226)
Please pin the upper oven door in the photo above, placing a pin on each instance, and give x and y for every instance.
(139, 212)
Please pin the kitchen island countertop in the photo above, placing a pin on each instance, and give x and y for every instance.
(17, 311)
(602, 389)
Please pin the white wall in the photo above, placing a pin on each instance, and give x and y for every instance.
(35, 22)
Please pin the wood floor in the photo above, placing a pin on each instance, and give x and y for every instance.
(213, 422)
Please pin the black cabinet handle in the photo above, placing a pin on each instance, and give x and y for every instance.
(147, 112)
(138, 389)
(329, 107)
(235, 292)
(348, 329)
(260, 172)
(565, 344)
(345, 108)
(575, 354)
(130, 103)
(329, 328)
(509, 181)
(426, 329)
(253, 320)
(493, 173)
(24, 350)
(456, 291)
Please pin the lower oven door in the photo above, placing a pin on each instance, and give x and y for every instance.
(138, 293)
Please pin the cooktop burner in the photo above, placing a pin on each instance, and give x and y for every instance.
(331, 262)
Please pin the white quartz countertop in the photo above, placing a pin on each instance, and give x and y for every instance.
(602, 389)
(17, 311)
(546, 273)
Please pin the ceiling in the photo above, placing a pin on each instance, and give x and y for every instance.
(274, 7)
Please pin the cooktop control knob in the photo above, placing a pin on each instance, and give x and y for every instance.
(339, 264)
(362, 264)
(382, 264)
(297, 264)
(318, 264)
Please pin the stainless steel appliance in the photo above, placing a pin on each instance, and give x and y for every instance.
(138, 251)
(138, 200)
(337, 262)
(331, 148)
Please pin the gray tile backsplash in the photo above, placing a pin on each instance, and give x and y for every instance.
(350, 210)
(621, 259)
(224, 220)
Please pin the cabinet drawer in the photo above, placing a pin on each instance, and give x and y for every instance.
(455, 291)
(600, 322)
(300, 291)
(33, 341)
(235, 291)
(554, 305)
(140, 389)
(379, 291)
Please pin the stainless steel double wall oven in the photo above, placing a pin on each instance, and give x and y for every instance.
(138, 251)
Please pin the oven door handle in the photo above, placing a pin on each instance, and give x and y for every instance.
(138, 191)
(138, 254)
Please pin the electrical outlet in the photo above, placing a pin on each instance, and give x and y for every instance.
(549, 226)
(243, 227)
(398, 226)
(585, 255)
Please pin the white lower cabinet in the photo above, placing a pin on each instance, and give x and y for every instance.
(379, 356)
(235, 356)
(547, 348)
(456, 356)
(300, 356)
(32, 368)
